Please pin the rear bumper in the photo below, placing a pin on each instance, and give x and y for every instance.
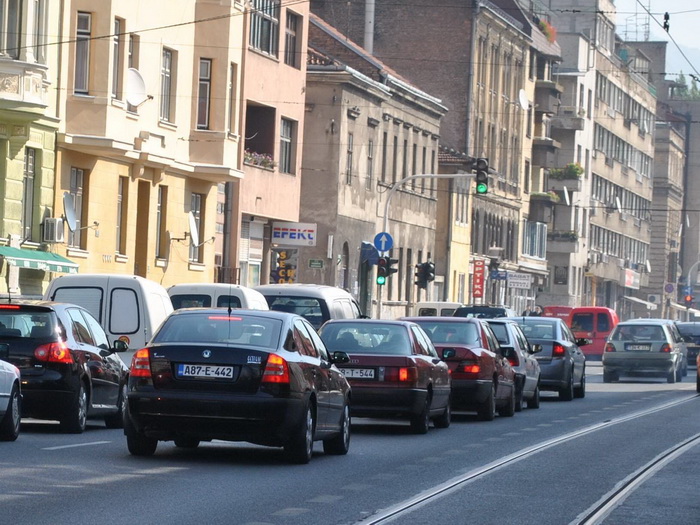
(370, 401)
(469, 393)
(47, 396)
(554, 374)
(657, 363)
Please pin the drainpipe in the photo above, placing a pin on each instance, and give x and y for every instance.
(369, 26)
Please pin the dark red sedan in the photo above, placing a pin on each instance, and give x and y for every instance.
(394, 371)
(482, 378)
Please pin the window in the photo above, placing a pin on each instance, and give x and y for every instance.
(291, 40)
(122, 206)
(348, 160)
(166, 85)
(28, 193)
(39, 30)
(394, 167)
(286, 164)
(9, 27)
(264, 25)
(133, 61)
(77, 185)
(196, 207)
(232, 102)
(82, 53)
(370, 164)
(161, 213)
(385, 145)
(116, 59)
(204, 100)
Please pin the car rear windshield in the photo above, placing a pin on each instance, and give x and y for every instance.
(538, 330)
(689, 328)
(367, 338)
(208, 327)
(638, 332)
(308, 307)
(480, 312)
(501, 332)
(446, 332)
(26, 323)
(204, 301)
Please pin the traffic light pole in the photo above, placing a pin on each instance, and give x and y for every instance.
(391, 192)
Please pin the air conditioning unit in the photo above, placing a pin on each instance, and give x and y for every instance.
(654, 298)
(53, 230)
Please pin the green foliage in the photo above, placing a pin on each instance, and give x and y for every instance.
(571, 171)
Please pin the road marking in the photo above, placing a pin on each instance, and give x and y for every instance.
(91, 444)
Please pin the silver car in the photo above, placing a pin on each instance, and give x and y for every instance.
(10, 397)
(645, 347)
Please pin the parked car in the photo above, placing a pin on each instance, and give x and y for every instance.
(316, 303)
(220, 295)
(562, 363)
(10, 397)
(483, 311)
(594, 323)
(691, 333)
(439, 308)
(394, 371)
(249, 375)
(69, 371)
(645, 347)
(482, 378)
(520, 356)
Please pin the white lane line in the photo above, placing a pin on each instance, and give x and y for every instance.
(93, 443)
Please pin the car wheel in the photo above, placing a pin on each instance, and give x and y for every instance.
(75, 418)
(420, 423)
(567, 393)
(9, 426)
(340, 444)
(186, 442)
(679, 374)
(671, 376)
(300, 447)
(534, 401)
(697, 383)
(508, 410)
(519, 395)
(444, 419)
(685, 367)
(487, 409)
(116, 420)
(138, 444)
(580, 391)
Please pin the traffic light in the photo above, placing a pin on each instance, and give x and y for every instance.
(689, 300)
(382, 270)
(429, 271)
(482, 176)
(421, 280)
(390, 266)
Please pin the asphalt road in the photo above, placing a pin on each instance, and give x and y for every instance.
(554, 465)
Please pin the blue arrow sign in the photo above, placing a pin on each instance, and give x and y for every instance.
(383, 242)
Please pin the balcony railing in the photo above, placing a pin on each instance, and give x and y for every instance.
(25, 83)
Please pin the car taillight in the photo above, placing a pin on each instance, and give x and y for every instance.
(276, 370)
(404, 374)
(558, 350)
(513, 360)
(141, 363)
(666, 348)
(53, 353)
(609, 347)
(469, 367)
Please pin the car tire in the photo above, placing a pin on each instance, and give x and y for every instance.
(697, 384)
(519, 396)
(340, 444)
(609, 377)
(580, 391)
(116, 420)
(685, 367)
(534, 401)
(300, 447)
(138, 444)
(567, 393)
(508, 410)
(679, 374)
(420, 423)
(487, 409)
(75, 419)
(186, 442)
(444, 419)
(9, 426)
(671, 376)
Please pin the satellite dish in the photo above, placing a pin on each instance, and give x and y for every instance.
(135, 88)
(618, 205)
(566, 196)
(648, 264)
(522, 99)
(194, 232)
(69, 211)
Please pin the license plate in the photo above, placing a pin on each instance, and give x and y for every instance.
(638, 347)
(206, 371)
(359, 373)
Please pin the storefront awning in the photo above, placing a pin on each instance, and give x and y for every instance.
(677, 306)
(37, 260)
(650, 306)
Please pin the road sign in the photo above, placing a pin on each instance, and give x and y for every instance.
(383, 242)
(316, 263)
(669, 288)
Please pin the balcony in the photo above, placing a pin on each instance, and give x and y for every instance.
(544, 152)
(541, 205)
(569, 118)
(562, 242)
(547, 96)
(23, 88)
(568, 177)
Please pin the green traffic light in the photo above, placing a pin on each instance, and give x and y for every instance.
(381, 280)
(482, 188)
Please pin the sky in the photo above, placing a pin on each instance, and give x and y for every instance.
(684, 25)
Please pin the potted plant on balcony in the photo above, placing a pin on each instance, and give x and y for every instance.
(264, 160)
(550, 196)
(571, 171)
(548, 29)
(566, 236)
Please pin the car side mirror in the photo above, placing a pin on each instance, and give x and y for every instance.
(448, 353)
(120, 346)
(535, 348)
(340, 357)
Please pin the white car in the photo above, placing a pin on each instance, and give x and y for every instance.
(10, 399)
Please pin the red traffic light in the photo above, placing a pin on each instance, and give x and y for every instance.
(689, 299)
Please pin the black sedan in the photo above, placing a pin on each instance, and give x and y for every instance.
(69, 371)
(259, 376)
(562, 363)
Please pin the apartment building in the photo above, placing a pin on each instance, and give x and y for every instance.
(366, 129)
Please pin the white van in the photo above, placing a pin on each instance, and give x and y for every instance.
(432, 308)
(316, 302)
(207, 295)
(129, 308)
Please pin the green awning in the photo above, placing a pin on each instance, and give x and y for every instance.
(37, 260)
